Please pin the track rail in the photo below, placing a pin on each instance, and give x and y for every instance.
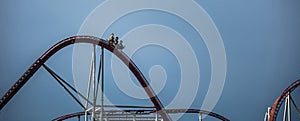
(92, 40)
(277, 104)
(169, 111)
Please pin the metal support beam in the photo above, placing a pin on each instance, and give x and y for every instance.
(156, 116)
(200, 116)
(287, 108)
(134, 117)
(88, 90)
(102, 83)
(293, 102)
(95, 83)
(59, 79)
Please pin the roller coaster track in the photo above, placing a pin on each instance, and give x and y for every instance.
(92, 40)
(276, 106)
(169, 111)
(158, 108)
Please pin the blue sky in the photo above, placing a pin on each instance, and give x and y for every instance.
(261, 39)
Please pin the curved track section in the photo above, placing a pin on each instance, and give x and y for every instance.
(276, 106)
(169, 111)
(92, 40)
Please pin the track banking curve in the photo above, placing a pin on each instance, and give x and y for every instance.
(277, 104)
(92, 40)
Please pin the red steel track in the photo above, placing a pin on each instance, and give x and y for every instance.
(92, 40)
(276, 106)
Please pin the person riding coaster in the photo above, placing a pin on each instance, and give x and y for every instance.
(120, 46)
(111, 39)
(115, 42)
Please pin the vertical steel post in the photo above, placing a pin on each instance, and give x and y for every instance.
(95, 83)
(289, 107)
(269, 109)
(89, 89)
(156, 116)
(284, 112)
(134, 117)
(102, 82)
(200, 116)
(267, 115)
